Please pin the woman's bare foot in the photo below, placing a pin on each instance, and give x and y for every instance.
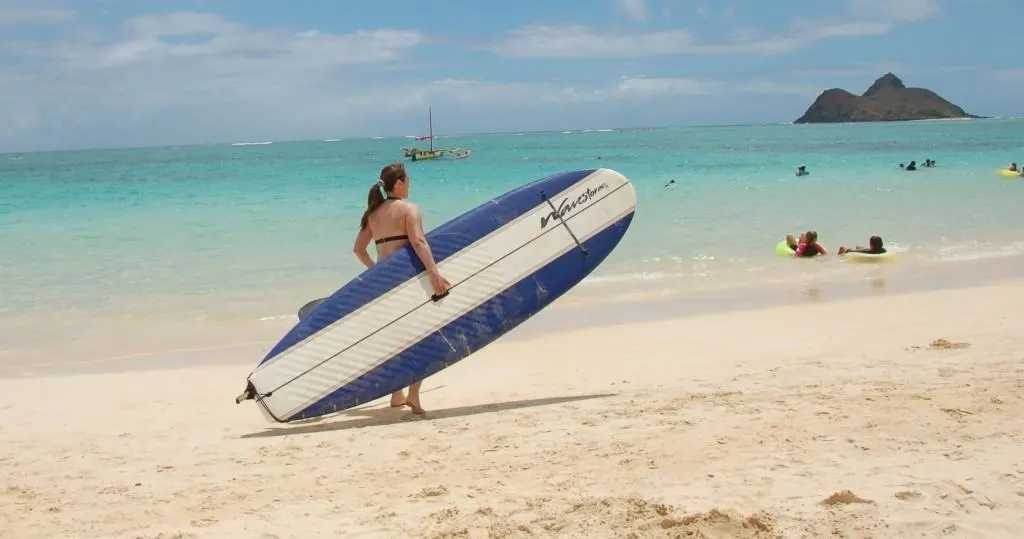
(397, 399)
(415, 405)
(414, 398)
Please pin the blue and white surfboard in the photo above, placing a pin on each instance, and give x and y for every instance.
(506, 260)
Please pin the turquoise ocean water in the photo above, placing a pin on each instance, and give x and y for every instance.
(229, 231)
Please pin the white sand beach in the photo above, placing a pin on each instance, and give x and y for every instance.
(890, 416)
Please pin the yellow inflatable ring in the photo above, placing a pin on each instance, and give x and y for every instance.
(783, 249)
(868, 258)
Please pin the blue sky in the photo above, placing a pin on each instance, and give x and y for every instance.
(109, 73)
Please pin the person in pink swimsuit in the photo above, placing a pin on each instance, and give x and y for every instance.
(807, 245)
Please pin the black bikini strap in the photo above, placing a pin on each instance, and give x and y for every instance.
(391, 238)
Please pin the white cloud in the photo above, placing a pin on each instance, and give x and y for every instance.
(582, 42)
(647, 88)
(634, 9)
(197, 72)
(197, 77)
(864, 18)
(1010, 75)
(893, 11)
(577, 41)
(626, 89)
(19, 16)
(211, 43)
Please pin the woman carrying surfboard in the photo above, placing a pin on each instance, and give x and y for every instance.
(393, 222)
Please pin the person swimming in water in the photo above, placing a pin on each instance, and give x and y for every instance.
(801, 170)
(807, 245)
(1013, 167)
(392, 222)
(875, 247)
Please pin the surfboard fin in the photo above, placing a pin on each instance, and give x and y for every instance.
(555, 213)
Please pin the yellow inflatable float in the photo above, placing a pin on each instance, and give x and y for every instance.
(868, 258)
(783, 249)
(1009, 173)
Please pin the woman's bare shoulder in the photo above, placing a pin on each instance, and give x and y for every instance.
(408, 207)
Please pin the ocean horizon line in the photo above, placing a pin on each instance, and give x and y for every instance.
(256, 141)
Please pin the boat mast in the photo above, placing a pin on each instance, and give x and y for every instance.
(430, 123)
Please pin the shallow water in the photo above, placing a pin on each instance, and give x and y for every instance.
(254, 231)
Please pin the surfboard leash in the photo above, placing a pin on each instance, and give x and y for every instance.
(554, 211)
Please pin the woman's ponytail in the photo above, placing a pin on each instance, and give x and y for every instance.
(373, 201)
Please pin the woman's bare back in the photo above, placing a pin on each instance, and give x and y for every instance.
(390, 220)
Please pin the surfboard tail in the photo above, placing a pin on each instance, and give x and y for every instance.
(248, 394)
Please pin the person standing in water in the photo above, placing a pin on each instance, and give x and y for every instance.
(392, 222)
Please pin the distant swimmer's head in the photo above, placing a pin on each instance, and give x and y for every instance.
(811, 237)
(394, 181)
(876, 243)
(802, 168)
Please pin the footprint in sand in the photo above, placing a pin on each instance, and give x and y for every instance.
(943, 344)
(907, 495)
(432, 492)
(844, 497)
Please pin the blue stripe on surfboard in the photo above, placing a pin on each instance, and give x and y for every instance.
(444, 241)
(475, 329)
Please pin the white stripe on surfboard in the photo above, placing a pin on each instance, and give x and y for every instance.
(364, 349)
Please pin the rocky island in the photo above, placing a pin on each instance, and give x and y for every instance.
(887, 100)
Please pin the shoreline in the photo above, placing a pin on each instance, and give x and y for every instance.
(186, 344)
(883, 416)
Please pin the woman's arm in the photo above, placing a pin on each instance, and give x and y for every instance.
(414, 229)
(359, 248)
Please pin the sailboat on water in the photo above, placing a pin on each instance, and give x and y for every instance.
(417, 154)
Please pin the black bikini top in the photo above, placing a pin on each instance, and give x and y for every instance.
(391, 238)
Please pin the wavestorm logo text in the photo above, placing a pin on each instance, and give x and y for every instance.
(565, 207)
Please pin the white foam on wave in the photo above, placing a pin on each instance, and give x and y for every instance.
(645, 276)
(961, 253)
(252, 143)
